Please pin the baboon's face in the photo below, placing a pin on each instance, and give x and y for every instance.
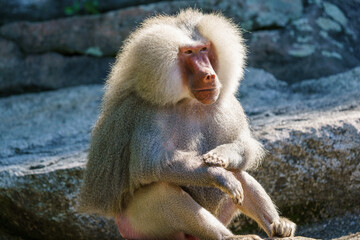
(198, 65)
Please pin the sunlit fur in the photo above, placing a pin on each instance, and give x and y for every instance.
(147, 67)
(150, 146)
(157, 40)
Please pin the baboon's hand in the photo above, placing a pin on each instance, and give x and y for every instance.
(212, 159)
(230, 185)
(282, 227)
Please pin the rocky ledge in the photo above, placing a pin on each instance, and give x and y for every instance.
(311, 38)
(312, 170)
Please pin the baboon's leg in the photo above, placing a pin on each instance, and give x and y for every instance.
(258, 205)
(165, 211)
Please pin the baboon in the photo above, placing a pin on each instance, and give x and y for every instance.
(170, 149)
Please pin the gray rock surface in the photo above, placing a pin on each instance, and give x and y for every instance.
(347, 226)
(34, 10)
(311, 131)
(22, 73)
(311, 38)
(43, 145)
(339, 91)
(257, 14)
(355, 236)
(75, 35)
(36, 56)
(38, 124)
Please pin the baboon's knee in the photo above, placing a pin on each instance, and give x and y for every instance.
(163, 191)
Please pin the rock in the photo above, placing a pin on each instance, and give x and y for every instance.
(69, 51)
(33, 10)
(335, 13)
(301, 50)
(80, 34)
(5, 236)
(313, 165)
(328, 24)
(311, 131)
(42, 157)
(320, 42)
(354, 236)
(305, 96)
(55, 120)
(107, 31)
(346, 225)
(32, 209)
(304, 57)
(312, 138)
(312, 39)
(19, 73)
(274, 13)
(255, 14)
(74, 35)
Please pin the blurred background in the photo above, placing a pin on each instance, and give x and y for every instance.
(301, 92)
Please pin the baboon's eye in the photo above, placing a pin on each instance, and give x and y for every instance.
(188, 52)
(203, 49)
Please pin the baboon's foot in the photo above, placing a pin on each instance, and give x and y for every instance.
(282, 228)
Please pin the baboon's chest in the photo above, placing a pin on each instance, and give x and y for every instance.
(193, 132)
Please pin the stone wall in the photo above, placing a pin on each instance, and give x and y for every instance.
(44, 45)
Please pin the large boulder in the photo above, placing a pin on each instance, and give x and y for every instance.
(311, 131)
(99, 35)
(311, 38)
(23, 73)
(34, 10)
(36, 56)
(321, 42)
(43, 139)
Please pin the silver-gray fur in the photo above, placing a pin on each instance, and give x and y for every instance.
(151, 130)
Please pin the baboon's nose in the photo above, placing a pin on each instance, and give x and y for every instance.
(209, 78)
